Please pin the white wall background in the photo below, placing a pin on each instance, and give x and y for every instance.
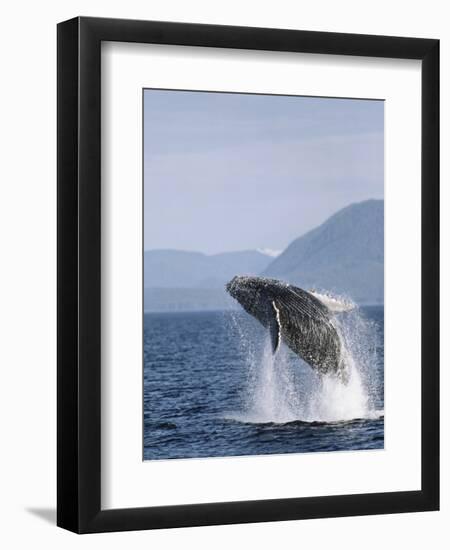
(28, 274)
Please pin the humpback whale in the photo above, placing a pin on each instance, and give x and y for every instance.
(301, 319)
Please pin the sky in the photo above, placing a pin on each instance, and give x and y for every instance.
(226, 172)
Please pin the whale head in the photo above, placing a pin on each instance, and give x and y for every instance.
(255, 294)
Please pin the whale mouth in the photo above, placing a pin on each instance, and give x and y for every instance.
(230, 287)
(238, 285)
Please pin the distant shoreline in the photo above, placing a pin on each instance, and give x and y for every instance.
(229, 310)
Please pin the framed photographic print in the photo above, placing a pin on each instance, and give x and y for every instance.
(248, 289)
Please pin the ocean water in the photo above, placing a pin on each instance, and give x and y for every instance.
(213, 388)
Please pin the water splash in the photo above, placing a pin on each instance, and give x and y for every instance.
(282, 388)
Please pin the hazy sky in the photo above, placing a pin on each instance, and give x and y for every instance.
(229, 172)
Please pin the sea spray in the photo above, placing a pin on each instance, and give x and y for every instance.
(273, 395)
(281, 388)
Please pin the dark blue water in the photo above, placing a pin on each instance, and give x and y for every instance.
(212, 388)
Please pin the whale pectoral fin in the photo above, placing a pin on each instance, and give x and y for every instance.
(275, 328)
(274, 335)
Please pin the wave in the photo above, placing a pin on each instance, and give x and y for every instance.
(243, 418)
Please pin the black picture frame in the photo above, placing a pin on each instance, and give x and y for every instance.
(79, 280)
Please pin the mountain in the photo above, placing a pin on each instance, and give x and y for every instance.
(181, 269)
(344, 255)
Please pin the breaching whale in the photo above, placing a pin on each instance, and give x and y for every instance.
(301, 319)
